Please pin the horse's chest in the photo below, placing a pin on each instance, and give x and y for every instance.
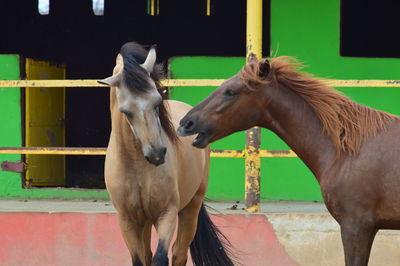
(147, 198)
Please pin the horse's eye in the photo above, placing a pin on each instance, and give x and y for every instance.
(129, 114)
(229, 92)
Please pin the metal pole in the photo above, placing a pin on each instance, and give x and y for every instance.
(252, 159)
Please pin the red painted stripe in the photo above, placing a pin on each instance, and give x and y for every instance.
(94, 239)
(255, 240)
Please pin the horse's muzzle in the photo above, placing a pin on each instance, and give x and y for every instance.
(191, 127)
(156, 156)
(186, 127)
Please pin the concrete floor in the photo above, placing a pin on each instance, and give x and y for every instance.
(57, 206)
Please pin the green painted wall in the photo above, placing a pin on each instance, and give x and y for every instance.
(310, 31)
(11, 136)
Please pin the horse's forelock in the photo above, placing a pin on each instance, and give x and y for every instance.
(136, 79)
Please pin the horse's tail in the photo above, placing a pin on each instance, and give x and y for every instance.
(209, 246)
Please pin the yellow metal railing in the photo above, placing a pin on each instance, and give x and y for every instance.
(102, 151)
(183, 83)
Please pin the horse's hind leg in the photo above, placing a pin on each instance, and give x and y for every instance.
(357, 238)
(165, 226)
(187, 225)
(133, 236)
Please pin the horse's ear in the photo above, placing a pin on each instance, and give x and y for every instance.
(111, 81)
(150, 60)
(264, 69)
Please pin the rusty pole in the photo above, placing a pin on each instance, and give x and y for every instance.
(252, 159)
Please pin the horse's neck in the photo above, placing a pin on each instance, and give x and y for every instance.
(296, 123)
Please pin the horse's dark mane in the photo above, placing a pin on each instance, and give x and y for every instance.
(135, 78)
(346, 122)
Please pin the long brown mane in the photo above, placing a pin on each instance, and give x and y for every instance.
(346, 122)
(135, 77)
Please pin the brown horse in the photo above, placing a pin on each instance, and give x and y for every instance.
(350, 148)
(153, 176)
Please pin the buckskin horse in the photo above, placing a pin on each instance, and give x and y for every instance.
(152, 175)
(352, 150)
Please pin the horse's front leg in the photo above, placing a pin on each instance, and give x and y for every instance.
(357, 237)
(187, 226)
(165, 226)
(133, 236)
(147, 243)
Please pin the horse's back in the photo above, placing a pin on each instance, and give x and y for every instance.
(193, 163)
(177, 110)
(382, 152)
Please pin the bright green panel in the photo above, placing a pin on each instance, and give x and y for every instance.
(226, 181)
(205, 68)
(226, 175)
(287, 179)
(200, 68)
(10, 120)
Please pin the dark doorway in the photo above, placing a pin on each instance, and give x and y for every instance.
(370, 28)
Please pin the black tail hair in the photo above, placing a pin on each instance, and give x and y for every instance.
(209, 246)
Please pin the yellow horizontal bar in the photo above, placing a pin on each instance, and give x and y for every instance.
(51, 83)
(181, 83)
(94, 83)
(227, 153)
(53, 150)
(102, 151)
(277, 153)
(363, 83)
(192, 82)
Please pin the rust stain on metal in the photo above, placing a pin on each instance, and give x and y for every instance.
(252, 166)
(279, 152)
(391, 82)
(17, 167)
(251, 57)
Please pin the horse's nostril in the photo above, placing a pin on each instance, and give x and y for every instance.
(189, 125)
